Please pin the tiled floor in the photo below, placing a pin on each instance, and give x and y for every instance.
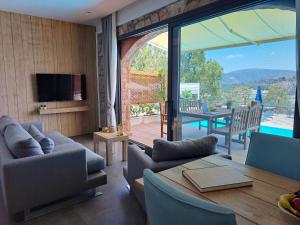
(115, 207)
(146, 133)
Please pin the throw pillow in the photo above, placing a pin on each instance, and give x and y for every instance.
(46, 143)
(174, 150)
(20, 143)
(5, 121)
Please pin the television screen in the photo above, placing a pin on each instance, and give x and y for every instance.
(61, 87)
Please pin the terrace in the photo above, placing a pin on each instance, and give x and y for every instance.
(204, 75)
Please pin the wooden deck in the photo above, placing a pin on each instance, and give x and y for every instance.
(146, 133)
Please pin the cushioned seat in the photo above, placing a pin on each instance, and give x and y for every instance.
(94, 162)
(58, 138)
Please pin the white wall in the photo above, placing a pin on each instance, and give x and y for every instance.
(140, 8)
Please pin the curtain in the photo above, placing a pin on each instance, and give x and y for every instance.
(110, 54)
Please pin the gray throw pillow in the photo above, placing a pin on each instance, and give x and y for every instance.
(5, 121)
(46, 143)
(175, 150)
(20, 143)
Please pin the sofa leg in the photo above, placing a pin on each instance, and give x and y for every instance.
(95, 193)
(40, 211)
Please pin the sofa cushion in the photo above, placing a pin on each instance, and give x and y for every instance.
(94, 162)
(5, 121)
(37, 124)
(46, 143)
(174, 150)
(20, 143)
(58, 138)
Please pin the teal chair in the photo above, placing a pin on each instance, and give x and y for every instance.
(276, 154)
(165, 205)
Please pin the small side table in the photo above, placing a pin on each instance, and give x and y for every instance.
(109, 139)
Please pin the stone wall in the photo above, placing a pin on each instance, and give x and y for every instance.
(167, 12)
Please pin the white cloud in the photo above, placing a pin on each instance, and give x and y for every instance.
(234, 56)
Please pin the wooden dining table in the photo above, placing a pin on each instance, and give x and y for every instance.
(210, 116)
(256, 204)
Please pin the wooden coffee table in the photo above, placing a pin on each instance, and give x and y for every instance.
(109, 139)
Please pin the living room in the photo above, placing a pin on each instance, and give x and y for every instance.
(149, 112)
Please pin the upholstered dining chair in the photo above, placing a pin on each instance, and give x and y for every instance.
(275, 154)
(166, 205)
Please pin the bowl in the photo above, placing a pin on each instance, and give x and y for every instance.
(287, 212)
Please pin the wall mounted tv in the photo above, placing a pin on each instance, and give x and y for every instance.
(61, 87)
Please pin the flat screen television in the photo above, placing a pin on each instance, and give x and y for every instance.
(61, 87)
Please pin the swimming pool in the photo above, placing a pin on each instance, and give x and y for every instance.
(263, 129)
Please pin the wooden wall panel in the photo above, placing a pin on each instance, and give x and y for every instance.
(30, 45)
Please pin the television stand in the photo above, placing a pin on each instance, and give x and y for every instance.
(63, 110)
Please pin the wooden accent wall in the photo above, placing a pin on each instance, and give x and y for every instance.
(30, 45)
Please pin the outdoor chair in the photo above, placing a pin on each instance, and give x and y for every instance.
(184, 106)
(238, 125)
(167, 205)
(255, 115)
(163, 106)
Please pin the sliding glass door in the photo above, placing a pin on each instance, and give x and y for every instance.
(231, 61)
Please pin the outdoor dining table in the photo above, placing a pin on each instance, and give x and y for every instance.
(210, 116)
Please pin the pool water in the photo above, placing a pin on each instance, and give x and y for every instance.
(263, 129)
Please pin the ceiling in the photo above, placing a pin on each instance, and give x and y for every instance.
(77, 11)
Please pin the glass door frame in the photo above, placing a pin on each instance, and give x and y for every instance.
(204, 13)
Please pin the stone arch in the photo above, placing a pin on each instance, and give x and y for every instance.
(128, 49)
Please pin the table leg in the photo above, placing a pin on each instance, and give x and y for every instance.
(124, 150)
(209, 126)
(108, 153)
(96, 145)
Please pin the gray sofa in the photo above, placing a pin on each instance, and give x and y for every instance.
(138, 160)
(38, 180)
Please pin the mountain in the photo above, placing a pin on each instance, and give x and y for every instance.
(252, 75)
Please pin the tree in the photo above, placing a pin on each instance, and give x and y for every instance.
(152, 59)
(186, 94)
(277, 96)
(195, 69)
(210, 80)
(239, 94)
(191, 66)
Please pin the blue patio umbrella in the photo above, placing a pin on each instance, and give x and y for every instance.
(258, 96)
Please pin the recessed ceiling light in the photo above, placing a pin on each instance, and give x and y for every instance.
(88, 12)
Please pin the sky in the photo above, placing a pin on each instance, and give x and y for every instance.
(275, 55)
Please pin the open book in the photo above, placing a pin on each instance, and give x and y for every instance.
(216, 178)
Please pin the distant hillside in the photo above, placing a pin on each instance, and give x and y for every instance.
(252, 75)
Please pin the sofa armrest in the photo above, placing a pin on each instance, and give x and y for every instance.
(37, 180)
(138, 161)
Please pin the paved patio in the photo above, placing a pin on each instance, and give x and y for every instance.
(146, 133)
